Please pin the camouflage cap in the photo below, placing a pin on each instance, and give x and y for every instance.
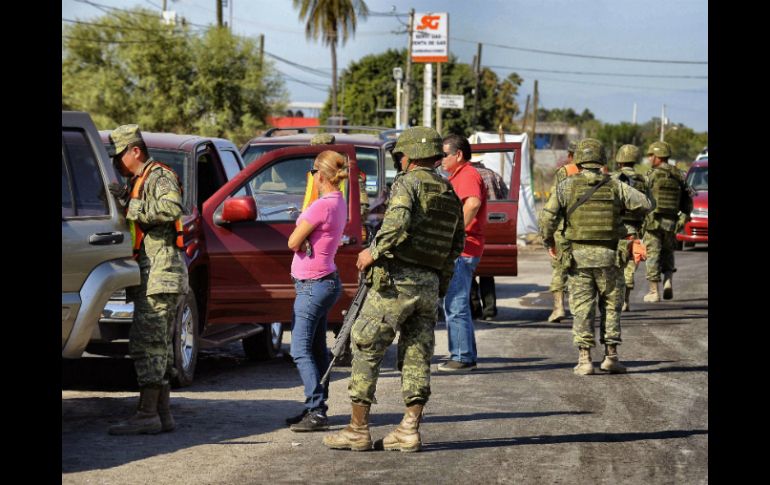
(419, 142)
(590, 150)
(660, 149)
(123, 135)
(572, 146)
(627, 154)
(322, 139)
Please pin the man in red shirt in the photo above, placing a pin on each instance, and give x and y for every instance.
(469, 186)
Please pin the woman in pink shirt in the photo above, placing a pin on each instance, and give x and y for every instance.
(314, 242)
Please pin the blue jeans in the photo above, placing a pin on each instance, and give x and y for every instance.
(457, 308)
(308, 335)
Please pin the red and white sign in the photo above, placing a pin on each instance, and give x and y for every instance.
(430, 37)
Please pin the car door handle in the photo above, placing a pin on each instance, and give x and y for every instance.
(105, 238)
(347, 240)
(497, 217)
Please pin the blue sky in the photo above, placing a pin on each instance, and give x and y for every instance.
(653, 30)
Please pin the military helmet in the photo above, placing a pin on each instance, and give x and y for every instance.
(322, 139)
(660, 149)
(124, 135)
(627, 154)
(419, 142)
(572, 146)
(590, 150)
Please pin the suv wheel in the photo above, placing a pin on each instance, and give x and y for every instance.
(266, 344)
(185, 341)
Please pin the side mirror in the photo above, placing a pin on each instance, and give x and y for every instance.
(238, 209)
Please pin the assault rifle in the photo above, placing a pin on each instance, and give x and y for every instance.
(349, 317)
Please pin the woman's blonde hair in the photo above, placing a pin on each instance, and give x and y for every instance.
(333, 165)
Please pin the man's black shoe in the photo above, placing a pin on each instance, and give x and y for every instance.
(296, 419)
(313, 421)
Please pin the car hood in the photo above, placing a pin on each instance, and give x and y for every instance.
(701, 200)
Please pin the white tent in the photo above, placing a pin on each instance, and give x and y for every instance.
(526, 220)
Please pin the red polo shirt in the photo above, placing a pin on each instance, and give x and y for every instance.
(467, 182)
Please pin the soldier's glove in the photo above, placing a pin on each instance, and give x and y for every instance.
(639, 251)
(120, 192)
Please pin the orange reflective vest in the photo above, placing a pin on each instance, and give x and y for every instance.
(571, 169)
(137, 234)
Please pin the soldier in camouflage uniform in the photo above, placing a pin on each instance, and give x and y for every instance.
(410, 264)
(559, 275)
(590, 204)
(328, 139)
(626, 158)
(154, 205)
(670, 195)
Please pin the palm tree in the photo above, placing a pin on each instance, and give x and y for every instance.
(333, 21)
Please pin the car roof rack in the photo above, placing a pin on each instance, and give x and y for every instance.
(303, 129)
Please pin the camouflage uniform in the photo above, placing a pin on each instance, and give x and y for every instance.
(163, 270)
(667, 188)
(631, 221)
(592, 235)
(329, 139)
(404, 295)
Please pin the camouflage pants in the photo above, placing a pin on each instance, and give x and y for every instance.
(559, 274)
(150, 343)
(587, 287)
(408, 306)
(660, 253)
(628, 273)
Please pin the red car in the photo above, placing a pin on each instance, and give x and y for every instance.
(697, 230)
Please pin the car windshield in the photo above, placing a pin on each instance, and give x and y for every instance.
(698, 178)
(253, 152)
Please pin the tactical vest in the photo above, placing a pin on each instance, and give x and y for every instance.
(598, 218)
(137, 233)
(666, 190)
(636, 181)
(433, 222)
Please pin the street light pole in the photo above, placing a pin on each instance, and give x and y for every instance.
(398, 74)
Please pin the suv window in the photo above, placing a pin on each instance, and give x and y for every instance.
(177, 161)
(253, 152)
(698, 178)
(81, 177)
(368, 163)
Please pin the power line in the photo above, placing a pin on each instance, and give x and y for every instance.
(317, 86)
(307, 69)
(586, 56)
(622, 86)
(112, 27)
(106, 8)
(107, 41)
(581, 73)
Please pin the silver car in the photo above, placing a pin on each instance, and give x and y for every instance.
(95, 239)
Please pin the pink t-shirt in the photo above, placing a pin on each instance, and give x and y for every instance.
(328, 215)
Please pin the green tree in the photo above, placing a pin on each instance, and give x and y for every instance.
(367, 84)
(130, 67)
(332, 21)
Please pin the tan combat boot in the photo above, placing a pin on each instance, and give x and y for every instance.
(653, 294)
(584, 366)
(626, 307)
(668, 288)
(164, 409)
(146, 419)
(356, 435)
(558, 307)
(611, 362)
(407, 436)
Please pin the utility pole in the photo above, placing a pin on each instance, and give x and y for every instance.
(262, 51)
(534, 124)
(478, 79)
(633, 117)
(427, 95)
(219, 13)
(439, 126)
(408, 80)
(164, 5)
(662, 121)
(230, 4)
(526, 116)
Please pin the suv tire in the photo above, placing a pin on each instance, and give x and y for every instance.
(185, 341)
(265, 345)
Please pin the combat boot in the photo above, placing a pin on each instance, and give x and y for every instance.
(407, 436)
(584, 366)
(668, 288)
(653, 294)
(146, 419)
(164, 409)
(611, 362)
(356, 435)
(626, 308)
(558, 307)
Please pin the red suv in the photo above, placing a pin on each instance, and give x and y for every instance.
(697, 229)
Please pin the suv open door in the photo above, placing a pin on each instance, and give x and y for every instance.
(500, 251)
(247, 223)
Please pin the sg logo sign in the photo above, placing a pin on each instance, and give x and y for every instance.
(429, 22)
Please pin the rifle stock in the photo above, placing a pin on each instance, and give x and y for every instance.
(349, 318)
